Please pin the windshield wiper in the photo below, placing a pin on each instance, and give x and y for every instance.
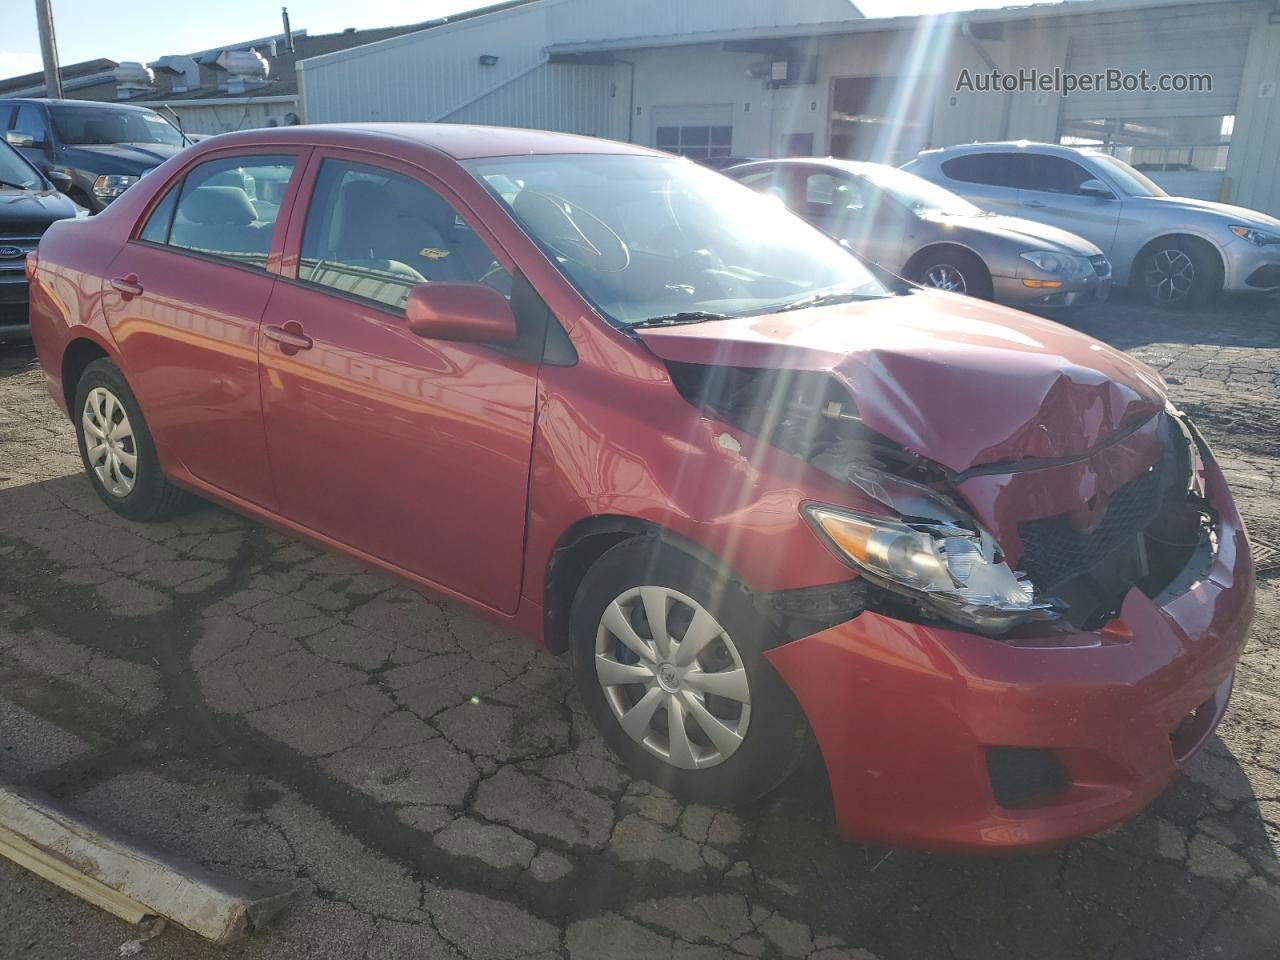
(825, 298)
(677, 319)
(16, 186)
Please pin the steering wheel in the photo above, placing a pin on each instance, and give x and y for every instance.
(581, 237)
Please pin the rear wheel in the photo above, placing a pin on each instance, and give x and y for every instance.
(668, 659)
(956, 271)
(1177, 272)
(116, 448)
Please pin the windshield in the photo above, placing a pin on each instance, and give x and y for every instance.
(1130, 181)
(81, 126)
(16, 172)
(919, 195)
(645, 237)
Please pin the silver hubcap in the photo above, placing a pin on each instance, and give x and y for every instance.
(946, 277)
(109, 442)
(1171, 276)
(673, 677)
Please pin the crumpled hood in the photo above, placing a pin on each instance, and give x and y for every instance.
(33, 206)
(1020, 232)
(960, 381)
(1226, 210)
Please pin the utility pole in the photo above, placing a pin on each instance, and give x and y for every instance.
(49, 49)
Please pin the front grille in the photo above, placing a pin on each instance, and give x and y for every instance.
(1054, 551)
(24, 229)
(1101, 265)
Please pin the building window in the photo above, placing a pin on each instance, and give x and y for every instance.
(697, 143)
(1157, 144)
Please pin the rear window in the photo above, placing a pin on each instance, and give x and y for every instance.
(993, 169)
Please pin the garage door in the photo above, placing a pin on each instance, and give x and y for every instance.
(696, 131)
(1191, 48)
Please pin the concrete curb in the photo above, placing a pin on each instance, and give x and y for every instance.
(128, 880)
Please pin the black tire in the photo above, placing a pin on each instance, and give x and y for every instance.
(152, 496)
(776, 734)
(1177, 273)
(969, 268)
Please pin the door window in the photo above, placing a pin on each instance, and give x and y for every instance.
(992, 169)
(227, 208)
(831, 199)
(376, 234)
(1049, 174)
(31, 120)
(158, 224)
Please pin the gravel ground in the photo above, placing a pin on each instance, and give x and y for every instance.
(432, 788)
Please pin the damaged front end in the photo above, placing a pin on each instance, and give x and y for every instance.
(1018, 550)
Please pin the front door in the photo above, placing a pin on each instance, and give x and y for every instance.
(1049, 193)
(184, 298)
(413, 451)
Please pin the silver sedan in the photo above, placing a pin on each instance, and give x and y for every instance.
(931, 236)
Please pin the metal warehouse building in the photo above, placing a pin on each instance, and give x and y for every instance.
(762, 78)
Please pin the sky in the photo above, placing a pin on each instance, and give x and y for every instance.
(148, 29)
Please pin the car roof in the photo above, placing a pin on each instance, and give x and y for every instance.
(49, 101)
(459, 141)
(833, 163)
(1003, 146)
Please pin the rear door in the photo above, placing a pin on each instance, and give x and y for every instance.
(413, 451)
(986, 179)
(184, 299)
(1049, 192)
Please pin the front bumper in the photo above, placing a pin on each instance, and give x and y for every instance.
(1078, 292)
(907, 716)
(1250, 268)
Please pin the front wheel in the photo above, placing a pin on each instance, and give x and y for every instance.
(116, 448)
(668, 658)
(956, 271)
(1177, 273)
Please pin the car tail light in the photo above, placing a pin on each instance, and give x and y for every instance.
(33, 261)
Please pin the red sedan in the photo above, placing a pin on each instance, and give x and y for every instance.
(644, 416)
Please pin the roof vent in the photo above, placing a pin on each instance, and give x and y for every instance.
(246, 70)
(133, 79)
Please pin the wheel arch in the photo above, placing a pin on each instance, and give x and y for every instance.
(78, 354)
(580, 546)
(1204, 243)
(939, 246)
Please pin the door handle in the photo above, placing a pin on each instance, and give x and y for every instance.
(290, 336)
(127, 286)
(1032, 203)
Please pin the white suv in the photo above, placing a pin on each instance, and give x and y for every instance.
(1178, 251)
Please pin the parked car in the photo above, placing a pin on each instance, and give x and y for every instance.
(619, 404)
(103, 147)
(1176, 251)
(933, 237)
(29, 202)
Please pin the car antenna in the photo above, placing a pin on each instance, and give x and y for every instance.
(177, 124)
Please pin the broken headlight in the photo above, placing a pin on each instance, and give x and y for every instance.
(956, 572)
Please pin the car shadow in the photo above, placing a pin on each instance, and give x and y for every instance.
(16, 356)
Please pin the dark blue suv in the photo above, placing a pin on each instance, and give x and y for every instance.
(103, 147)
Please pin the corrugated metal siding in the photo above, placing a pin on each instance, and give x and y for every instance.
(427, 75)
(587, 21)
(1252, 163)
(565, 97)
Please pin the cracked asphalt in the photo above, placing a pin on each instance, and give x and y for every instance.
(433, 788)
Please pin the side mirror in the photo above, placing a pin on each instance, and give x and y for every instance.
(1096, 189)
(17, 138)
(467, 312)
(61, 181)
